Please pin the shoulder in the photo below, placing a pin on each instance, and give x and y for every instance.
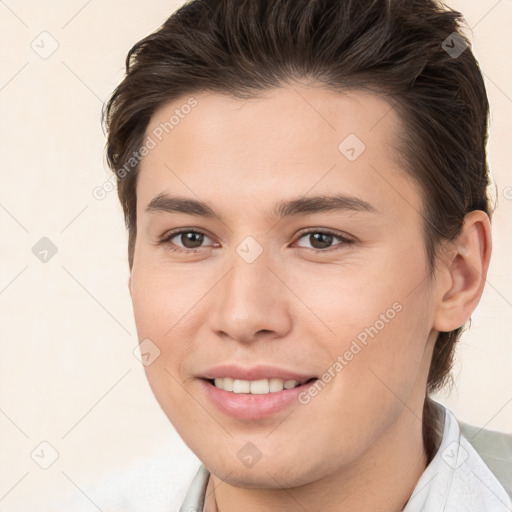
(495, 449)
(158, 483)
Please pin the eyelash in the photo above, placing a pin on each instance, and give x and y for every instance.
(166, 240)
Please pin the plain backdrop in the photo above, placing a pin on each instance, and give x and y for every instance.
(68, 374)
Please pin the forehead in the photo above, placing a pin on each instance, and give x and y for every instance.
(287, 142)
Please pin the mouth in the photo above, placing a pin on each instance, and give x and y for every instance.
(253, 400)
(254, 392)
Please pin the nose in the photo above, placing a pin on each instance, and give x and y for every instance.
(251, 301)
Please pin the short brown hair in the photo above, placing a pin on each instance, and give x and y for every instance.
(413, 52)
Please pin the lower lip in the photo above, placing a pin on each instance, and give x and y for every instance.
(246, 406)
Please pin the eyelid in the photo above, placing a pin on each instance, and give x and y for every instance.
(327, 231)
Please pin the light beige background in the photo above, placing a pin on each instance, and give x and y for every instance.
(68, 375)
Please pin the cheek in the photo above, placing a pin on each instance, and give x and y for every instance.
(164, 300)
(362, 301)
(375, 325)
(384, 359)
(161, 311)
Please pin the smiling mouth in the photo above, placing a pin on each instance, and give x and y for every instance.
(257, 387)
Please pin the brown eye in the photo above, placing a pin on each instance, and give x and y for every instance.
(191, 239)
(320, 240)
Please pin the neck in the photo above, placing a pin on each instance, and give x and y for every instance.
(383, 479)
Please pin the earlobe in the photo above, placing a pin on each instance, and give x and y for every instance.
(466, 264)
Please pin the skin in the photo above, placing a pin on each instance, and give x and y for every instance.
(357, 445)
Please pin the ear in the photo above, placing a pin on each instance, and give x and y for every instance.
(464, 268)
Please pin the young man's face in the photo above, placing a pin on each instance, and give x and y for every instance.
(251, 299)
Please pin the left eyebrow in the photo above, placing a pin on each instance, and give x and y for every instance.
(294, 207)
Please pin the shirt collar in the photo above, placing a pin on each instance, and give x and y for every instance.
(457, 479)
(194, 499)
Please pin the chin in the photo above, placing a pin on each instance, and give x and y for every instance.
(265, 474)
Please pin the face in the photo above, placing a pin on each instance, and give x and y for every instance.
(306, 262)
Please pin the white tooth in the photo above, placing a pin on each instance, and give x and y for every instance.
(256, 387)
(241, 386)
(228, 384)
(259, 387)
(276, 385)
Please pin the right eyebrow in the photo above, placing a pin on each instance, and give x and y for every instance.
(176, 204)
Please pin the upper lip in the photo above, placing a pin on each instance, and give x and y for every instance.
(254, 373)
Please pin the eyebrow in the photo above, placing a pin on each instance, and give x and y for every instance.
(294, 207)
